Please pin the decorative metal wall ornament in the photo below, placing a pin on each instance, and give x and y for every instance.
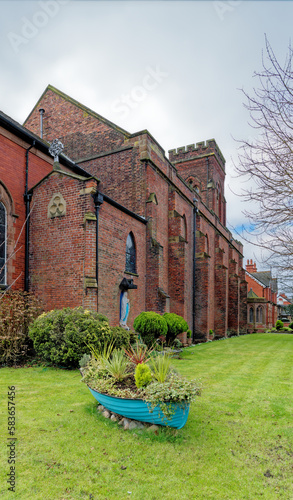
(57, 206)
(56, 149)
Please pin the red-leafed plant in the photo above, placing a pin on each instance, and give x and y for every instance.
(139, 353)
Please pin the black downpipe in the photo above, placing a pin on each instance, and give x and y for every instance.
(98, 200)
(27, 200)
(195, 211)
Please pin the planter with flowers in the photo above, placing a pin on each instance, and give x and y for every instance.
(140, 384)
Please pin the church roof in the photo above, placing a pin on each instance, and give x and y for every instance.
(81, 106)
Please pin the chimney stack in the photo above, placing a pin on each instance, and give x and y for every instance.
(251, 267)
(41, 111)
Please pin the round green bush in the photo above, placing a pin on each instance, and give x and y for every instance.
(176, 325)
(61, 337)
(143, 375)
(279, 325)
(291, 325)
(150, 325)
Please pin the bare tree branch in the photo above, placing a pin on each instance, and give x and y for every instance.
(267, 161)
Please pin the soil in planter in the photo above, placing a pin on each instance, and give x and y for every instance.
(127, 383)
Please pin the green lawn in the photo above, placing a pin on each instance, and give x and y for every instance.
(237, 443)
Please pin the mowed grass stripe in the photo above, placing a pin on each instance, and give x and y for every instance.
(237, 444)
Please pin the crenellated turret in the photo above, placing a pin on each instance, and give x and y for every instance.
(202, 166)
(201, 149)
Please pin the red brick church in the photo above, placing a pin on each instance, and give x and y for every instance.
(111, 217)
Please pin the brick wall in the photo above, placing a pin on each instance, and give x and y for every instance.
(61, 253)
(114, 227)
(12, 188)
(63, 250)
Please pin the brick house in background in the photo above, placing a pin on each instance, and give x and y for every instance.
(262, 310)
(122, 217)
(284, 314)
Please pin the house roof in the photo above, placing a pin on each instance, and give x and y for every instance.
(265, 277)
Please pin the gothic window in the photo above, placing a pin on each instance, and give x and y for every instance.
(251, 315)
(184, 227)
(130, 265)
(207, 248)
(259, 315)
(3, 231)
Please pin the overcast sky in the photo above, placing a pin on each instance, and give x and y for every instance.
(175, 68)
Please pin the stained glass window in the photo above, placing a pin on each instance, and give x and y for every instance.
(2, 243)
(130, 265)
(259, 314)
(251, 315)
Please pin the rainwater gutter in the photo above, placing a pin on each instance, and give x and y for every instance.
(195, 212)
(98, 200)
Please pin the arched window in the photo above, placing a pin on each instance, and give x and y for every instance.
(130, 265)
(251, 315)
(184, 227)
(259, 314)
(207, 248)
(3, 243)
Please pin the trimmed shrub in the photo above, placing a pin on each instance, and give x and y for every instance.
(189, 333)
(176, 325)
(279, 325)
(150, 325)
(291, 325)
(17, 310)
(61, 337)
(143, 375)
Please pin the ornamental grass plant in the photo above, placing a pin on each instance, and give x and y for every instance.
(161, 367)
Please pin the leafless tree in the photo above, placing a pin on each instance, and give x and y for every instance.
(267, 160)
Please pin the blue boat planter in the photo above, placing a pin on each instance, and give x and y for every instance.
(137, 409)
